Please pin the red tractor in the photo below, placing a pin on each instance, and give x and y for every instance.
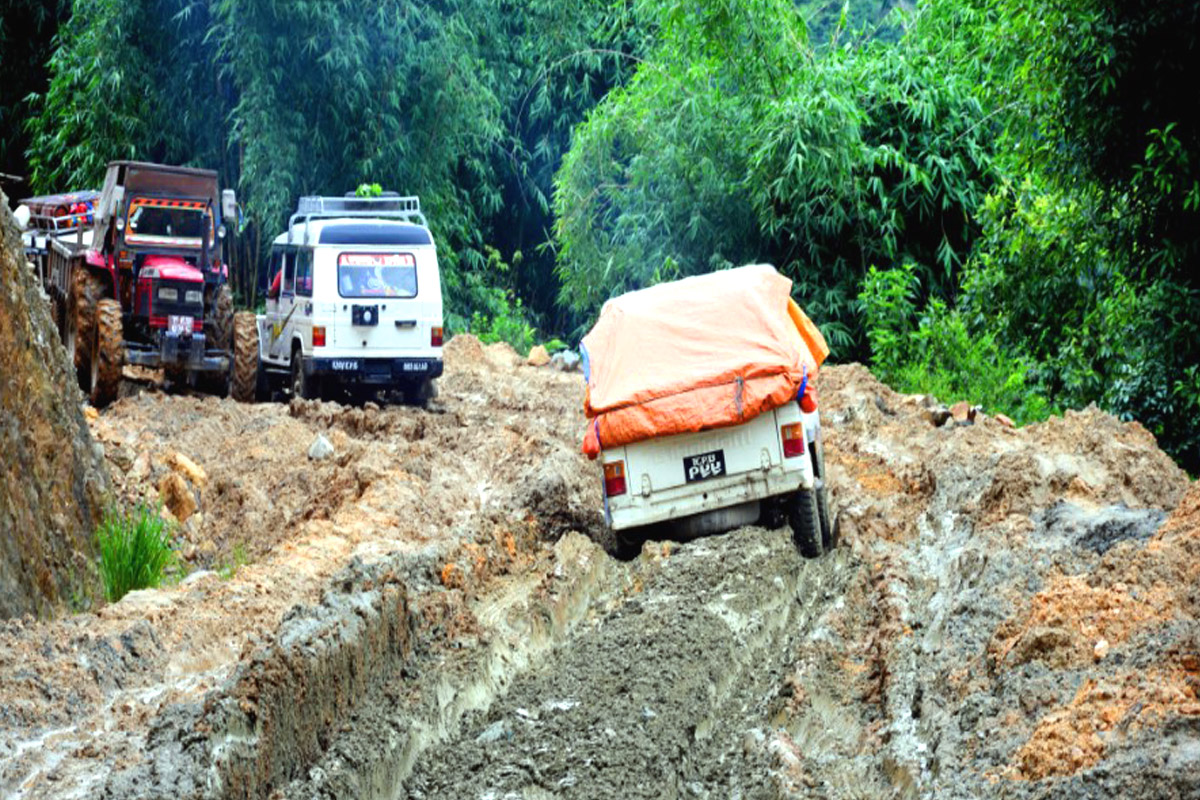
(137, 275)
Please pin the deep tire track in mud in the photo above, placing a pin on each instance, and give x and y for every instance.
(667, 695)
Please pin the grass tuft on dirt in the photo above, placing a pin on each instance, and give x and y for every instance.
(135, 550)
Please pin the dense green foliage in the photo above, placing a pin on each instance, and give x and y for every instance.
(937, 351)
(1089, 256)
(735, 142)
(993, 200)
(1024, 174)
(468, 103)
(135, 550)
(27, 29)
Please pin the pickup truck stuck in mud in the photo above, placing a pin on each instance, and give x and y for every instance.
(703, 428)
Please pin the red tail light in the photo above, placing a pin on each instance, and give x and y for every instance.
(318, 336)
(793, 440)
(614, 479)
(435, 337)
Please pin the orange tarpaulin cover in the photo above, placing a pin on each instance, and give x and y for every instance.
(695, 354)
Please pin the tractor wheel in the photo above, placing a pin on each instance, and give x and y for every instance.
(806, 522)
(248, 380)
(87, 289)
(218, 320)
(107, 353)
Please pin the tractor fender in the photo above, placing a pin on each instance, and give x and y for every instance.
(94, 262)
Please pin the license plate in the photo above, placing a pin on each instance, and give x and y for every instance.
(704, 466)
(344, 365)
(180, 324)
(414, 366)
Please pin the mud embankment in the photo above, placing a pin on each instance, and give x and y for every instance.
(52, 480)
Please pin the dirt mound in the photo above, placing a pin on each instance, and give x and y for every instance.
(1010, 581)
(1078, 735)
(1071, 623)
(1147, 594)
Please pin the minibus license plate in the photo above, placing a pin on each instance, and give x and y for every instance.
(344, 365)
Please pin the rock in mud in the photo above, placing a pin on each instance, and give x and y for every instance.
(937, 416)
(320, 449)
(176, 496)
(538, 357)
(566, 361)
(189, 469)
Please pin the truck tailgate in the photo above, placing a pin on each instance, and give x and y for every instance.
(696, 457)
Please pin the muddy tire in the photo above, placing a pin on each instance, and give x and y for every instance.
(107, 354)
(302, 387)
(805, 520)
(828, 534)
(422, 393)
(219, 320)
(624, 545)
(248, 382)
(79, 334)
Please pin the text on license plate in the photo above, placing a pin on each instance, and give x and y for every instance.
(180, 324)
(704, 466)
(415, 366)
(344, 365)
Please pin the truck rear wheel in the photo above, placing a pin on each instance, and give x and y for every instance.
(805, 520)
(421, 393)
(828, 535)
(248, 381)
(107, 353)
(302, 385)
(219, 320)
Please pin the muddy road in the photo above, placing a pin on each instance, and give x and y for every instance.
(423, 613)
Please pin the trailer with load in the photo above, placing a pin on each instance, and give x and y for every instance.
(137, 274)
(702, 410)
(354, 304)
